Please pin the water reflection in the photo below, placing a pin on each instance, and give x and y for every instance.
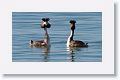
(46, 51)
(72, 57)
(72, 51)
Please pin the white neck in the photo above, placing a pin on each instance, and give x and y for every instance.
(68, 41)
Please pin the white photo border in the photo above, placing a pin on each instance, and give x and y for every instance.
(104, 67)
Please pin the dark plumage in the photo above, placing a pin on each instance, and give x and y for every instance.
(72, 21)
(76, 43)
(40, 43)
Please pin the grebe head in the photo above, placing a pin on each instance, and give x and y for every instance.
(45, 23)
(72, 24)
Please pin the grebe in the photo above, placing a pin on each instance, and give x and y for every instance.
(70, 41)
(46, 41)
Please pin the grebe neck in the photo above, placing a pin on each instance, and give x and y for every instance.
(70, 38)
(47, 39)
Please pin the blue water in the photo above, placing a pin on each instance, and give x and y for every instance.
(26, 27)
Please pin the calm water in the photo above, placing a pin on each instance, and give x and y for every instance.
(26, 27)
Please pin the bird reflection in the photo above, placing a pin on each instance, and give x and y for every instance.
(72, 56)
(72, 53)
(46, 50)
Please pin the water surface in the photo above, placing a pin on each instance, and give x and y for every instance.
(26, 27)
